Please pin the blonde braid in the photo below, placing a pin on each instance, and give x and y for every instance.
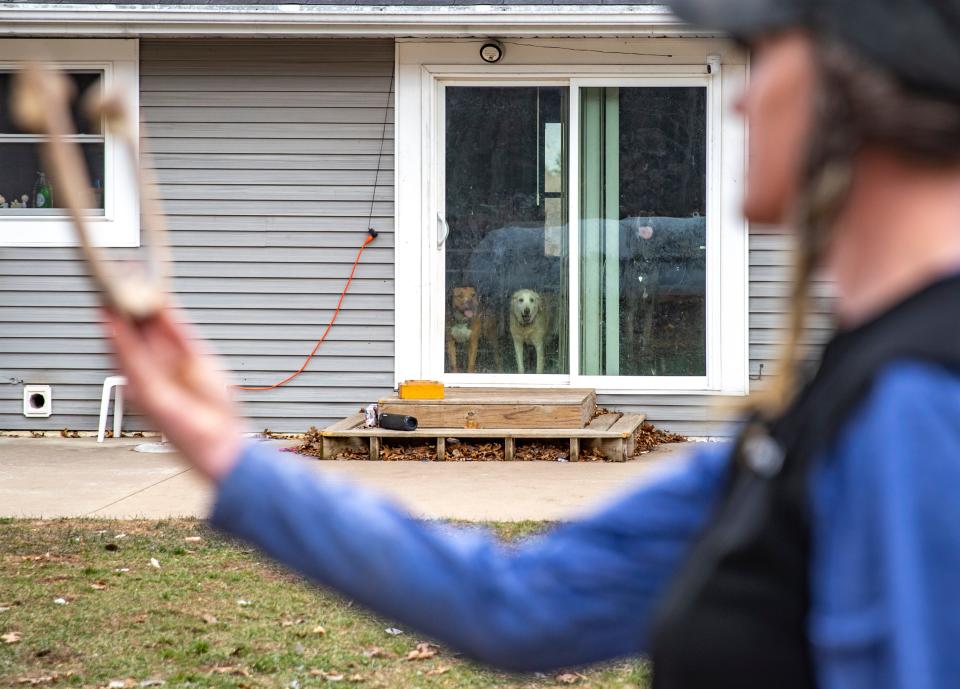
(828, 175)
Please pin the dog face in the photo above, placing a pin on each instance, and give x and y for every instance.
(525, 305)
(465, 301)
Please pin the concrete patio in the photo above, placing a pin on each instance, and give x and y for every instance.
(57, 477)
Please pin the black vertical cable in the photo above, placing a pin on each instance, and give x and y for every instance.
(383, 139)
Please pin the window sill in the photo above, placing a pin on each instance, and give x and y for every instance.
(58, 231)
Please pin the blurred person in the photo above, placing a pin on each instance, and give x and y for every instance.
(820, 549)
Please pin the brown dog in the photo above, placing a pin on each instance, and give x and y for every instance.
(467, 322)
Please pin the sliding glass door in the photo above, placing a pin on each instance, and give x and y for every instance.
(573, 231)
(643, 231)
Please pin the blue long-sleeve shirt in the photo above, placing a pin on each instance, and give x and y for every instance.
(884, 571)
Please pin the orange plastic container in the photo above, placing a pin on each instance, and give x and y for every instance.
(421, 390)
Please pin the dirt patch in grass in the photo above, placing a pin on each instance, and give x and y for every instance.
(87, 603)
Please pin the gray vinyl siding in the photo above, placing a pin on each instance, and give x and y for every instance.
(266, 153)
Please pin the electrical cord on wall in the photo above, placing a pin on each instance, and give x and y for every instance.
(371, 235)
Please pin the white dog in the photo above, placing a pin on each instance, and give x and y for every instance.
(529, 324)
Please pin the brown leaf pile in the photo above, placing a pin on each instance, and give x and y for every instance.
(592, 454)
(408, 451)
(423, 651)
(354, 453)
(541, 451)
(600, 411)
(569, 677)
(474, 452)
(312, 443)
(649, 437)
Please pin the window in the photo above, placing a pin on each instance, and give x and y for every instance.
(643, 230)
(506, 253)
(577, 225)
(30, 210)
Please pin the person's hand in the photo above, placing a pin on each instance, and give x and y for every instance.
(180, 388)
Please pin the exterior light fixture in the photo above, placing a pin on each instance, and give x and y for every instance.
(491, 52)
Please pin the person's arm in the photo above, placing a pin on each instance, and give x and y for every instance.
(887, 539)
(580, 594)
(583, 593)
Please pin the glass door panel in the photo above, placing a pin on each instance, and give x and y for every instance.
(643, 162)
(506, 212)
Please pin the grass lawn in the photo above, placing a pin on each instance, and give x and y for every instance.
(97, 603)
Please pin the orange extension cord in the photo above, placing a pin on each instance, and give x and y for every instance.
(371, 235)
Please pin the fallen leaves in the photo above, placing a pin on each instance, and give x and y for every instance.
(98, 585)
(320, 630)
(11, 637)
(43, 679)
(231, 670)
(417, 451)
(649, 437)
(312, 443)
(542, 451)
(438, 670)
(377, 652)
(327, 675)
(569, 677)
(474, 452)
(209, 619)
(423, 651)
(333, 676)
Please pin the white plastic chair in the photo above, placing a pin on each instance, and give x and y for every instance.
(111, 382)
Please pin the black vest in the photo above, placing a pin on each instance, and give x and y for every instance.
(735, 616)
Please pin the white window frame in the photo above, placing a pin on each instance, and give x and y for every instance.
(424, 69)
(119, 226)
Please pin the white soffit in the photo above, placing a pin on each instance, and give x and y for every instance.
(56, 19)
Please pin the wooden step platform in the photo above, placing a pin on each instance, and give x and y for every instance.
(493, 408)
(613, 434)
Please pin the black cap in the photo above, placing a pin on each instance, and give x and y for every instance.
(918, 41)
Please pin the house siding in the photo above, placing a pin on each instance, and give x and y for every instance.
(266, 153)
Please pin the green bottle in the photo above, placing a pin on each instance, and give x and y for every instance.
(42, 194)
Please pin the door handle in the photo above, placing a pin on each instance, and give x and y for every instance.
(443, 230)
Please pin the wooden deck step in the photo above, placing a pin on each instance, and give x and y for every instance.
(612, 433)
(499, 408)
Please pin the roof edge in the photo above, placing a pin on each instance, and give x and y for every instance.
(54, 19)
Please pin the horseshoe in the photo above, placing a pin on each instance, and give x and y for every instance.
(41, 104)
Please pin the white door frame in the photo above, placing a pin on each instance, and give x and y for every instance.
(420, 295)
